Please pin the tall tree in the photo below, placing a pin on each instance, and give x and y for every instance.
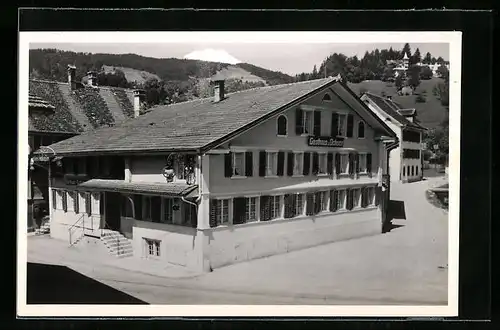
(416, 58)
(440, 60)
(315, 73)
(406, 50)
(413, 76)
(427, 58)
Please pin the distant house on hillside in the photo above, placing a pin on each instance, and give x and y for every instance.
(58, 111)
(405, 161)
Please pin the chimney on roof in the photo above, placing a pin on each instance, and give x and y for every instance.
(139, 98)
(92, 78)
(218, 90)
(389, 97)
(71, 76)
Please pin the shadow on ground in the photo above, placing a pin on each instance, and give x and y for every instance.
(52, 284)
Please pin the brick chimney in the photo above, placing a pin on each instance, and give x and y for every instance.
(92, 78)
(218, 90)
(139, 98)
(71, 76)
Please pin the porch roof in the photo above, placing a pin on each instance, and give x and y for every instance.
(167, 189)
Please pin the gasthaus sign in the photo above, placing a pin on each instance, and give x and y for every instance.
(325, 141)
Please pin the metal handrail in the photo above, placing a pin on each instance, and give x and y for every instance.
(82, 218)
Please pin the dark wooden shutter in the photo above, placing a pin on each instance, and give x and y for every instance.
(281, 163)
(335, 125)
(315, 165)
(156, 208)
(317, 202)
(262, 163)
(317, 123)
(228, 165)
(239, 209)
(288, 206)
(337, 164)
(138, 206)
(350, 199)
(88, 204)
(249, 163)
(265, 213)
(378, 195)
(310, 203)
(290, 163)
(65, 201)
(329, 163)
(307, 163)
(350, 125)
(75, 202)
(54, 199)
(299, 118)
(369, 164)
(364, 196)
(351, 165)
(356, 161)
(333, 200)
(213, 213)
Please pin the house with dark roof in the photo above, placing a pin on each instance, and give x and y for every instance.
(405, 161)
(60, 110)
(233, 177)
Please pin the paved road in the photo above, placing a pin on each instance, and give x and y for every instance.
(404, 266)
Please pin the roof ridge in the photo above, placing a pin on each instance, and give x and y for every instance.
(66, 83)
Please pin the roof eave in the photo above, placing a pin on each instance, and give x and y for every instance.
(135, 152)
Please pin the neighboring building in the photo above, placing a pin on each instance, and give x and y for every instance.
(406, 160)
(58, 111)
(219, 180)
(434, 67)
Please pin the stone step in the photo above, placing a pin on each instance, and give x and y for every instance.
(120, 248)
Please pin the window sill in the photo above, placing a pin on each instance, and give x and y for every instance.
(270, 176)
(322, 174)
(297, 175)
(282, 136)
(239, 177)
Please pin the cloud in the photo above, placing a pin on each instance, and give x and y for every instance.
(212, 55)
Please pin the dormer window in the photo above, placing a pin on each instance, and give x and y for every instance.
(282, 125)
(327, 97)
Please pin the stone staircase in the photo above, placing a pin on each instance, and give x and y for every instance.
(117, 244)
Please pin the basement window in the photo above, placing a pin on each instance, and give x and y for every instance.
(152, 247)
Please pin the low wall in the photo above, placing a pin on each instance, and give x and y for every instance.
(178, 245)
(228, 245)
(61, 221)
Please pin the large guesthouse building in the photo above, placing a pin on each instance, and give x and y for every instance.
(405, 161)
(219, 180)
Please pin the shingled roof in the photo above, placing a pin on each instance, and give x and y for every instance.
(77, 111)
(196, 124)
(392, 109)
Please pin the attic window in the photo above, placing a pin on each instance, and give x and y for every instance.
(282, 125)
(327, 97)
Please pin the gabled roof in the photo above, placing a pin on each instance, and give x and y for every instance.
(201, 123)
(392, 109)
(77, 111)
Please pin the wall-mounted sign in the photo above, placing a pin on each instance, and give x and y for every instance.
(325, 141)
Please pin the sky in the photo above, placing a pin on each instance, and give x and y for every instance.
(290, 58)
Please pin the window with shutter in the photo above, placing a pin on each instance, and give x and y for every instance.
(238, 163)
(262, 163)
(168, 212)
(317, 202)
(308, 122)
(298, 163)
(299, 204)
(275, 207)
(351, 165)
(299, 127)
(349, 201)
(362, 162)
(228, 165)
(317, 123)
(290, 164)
(307, 163)
(329, 164)
(281, 163)
(315, 163)
(249, 163)
(341, 125)
(341, 199)
(289, 200)
(350, 125)
(356, 161)
(356, 197)
(251, 209)
(322, 163)
(335, 125)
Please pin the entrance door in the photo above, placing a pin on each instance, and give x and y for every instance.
(112, 203)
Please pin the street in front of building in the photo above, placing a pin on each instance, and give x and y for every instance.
(406, 266)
